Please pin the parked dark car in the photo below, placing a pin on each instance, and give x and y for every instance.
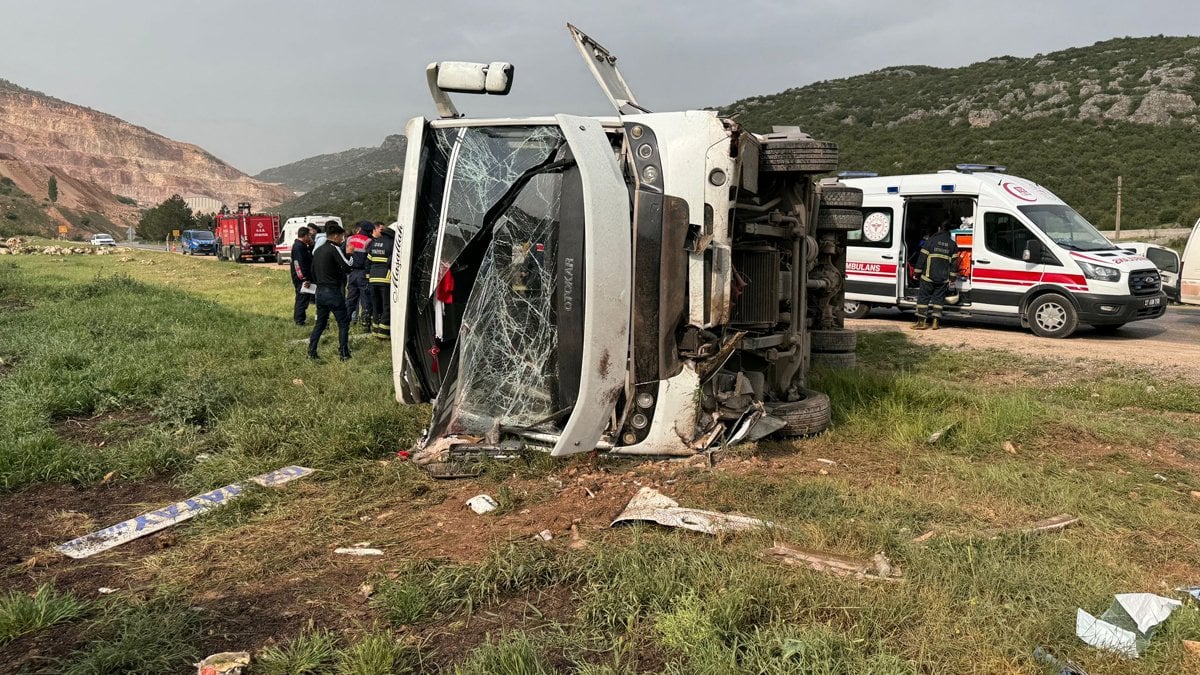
(195, 242)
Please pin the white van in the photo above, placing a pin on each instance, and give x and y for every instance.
(1025, 253)
(287, 234)
(1166, 260)
(1189, 276)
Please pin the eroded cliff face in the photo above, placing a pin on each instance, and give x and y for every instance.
(120, 157)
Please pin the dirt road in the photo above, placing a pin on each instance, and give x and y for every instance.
(1169, 345)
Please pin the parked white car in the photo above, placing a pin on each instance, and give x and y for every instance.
(103, 240)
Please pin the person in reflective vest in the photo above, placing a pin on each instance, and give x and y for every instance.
(938, 267)
(358, 294)
(379, 279)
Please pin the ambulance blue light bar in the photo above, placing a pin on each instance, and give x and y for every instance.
(857, 174)
(972, 168)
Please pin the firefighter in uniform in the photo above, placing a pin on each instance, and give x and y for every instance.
(379, 279)
(938, 266)
(358, 294)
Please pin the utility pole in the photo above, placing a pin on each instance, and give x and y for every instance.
(1117, 236)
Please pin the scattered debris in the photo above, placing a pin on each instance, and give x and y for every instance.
(544, 535)
(830, 462)
(940, 434)
(1193, 591)
(366, 590)
(148, 523)
(878, 568)
(1195, 494)
(482, 504)
(651, 505)
(1160, 477)
(1053, 524)
(1010, 448)
(578, 543)
(358, 551)
(105, 590)
(298, 382)
(108, 476)
(1126, 626)
(225, 663)
(1064, 667)
(925, 537)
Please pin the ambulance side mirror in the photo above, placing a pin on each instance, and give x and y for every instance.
(1034, 251)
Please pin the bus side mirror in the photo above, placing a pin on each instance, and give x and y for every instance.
(1034, 251)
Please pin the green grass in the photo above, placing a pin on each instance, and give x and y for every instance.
(21, 613)
(201, 353)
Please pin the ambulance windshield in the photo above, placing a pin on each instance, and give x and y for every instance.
(1067, 228)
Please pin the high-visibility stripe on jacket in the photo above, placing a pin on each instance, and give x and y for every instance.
(379, 257)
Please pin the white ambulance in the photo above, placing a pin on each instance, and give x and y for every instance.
(1025, 253)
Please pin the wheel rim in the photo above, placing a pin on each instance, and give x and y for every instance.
(850, 307)
(1051, 316)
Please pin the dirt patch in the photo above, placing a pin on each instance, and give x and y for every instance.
(37, 652)
(14, 304)
(104, 429)
(36, 519)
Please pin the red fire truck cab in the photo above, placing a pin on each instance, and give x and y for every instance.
(245, 236)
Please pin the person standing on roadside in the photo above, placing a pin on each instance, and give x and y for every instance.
(302, 274)
(358, 294)
(379, 277)
(330, 268)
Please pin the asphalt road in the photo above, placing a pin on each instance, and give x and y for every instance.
(1168, 343)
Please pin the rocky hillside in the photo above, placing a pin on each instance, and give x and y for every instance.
(307, 174)
(118, 157)
(371, 197)
(1073, 120)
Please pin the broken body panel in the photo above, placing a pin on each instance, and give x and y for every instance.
(570, 284)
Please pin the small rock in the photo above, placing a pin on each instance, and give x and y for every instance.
(1010, 448)
(1192, 647)
(366, 590)
(1195, 494)
(298, 382)
(823, 472)
(1150, 389)
(544, 535)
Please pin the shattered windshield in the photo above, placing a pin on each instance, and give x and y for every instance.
(483, 163)
(508, 343)
(1067, 228)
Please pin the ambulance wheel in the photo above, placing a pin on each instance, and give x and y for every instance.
(801, 156)
(838, 340)
(840, 196)
(846, 220)
(807, 417)
(834, 361)
(1052, 316)
(853, 309)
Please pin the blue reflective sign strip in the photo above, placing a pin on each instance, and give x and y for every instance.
(159, 519)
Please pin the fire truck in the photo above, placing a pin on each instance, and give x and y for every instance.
(245, 236)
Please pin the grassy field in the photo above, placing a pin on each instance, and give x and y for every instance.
(131, 381)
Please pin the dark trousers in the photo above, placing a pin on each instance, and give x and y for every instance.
(331, 301)
(303, 300)
(931, 296)
(381, 304)
(358, 297)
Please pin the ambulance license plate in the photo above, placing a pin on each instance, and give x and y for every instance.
(1153, 302)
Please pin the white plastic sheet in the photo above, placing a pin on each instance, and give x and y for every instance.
(1126, 626)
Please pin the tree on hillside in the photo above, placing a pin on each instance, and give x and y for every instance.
(205, 221)
(52, 189)
(158, 222)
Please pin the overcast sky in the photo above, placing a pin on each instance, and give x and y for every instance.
(265, 82)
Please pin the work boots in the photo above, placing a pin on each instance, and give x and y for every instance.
(935, 324)
(920, 324)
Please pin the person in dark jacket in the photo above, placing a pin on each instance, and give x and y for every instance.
(379, 278)
(330, 268)
(358, 295)
(302, 274)
(938, 267)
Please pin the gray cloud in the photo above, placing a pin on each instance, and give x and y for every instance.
(265, 82)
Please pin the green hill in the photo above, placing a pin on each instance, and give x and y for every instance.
(367, 197)
(312, 172)
(1072, 120)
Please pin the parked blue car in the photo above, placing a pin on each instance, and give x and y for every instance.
(195, 242)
